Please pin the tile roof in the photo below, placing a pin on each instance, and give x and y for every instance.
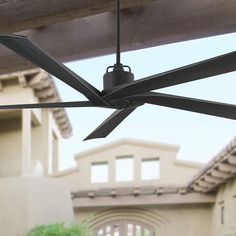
(221, 168)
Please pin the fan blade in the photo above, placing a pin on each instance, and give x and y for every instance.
(189, 104)
(49, 105)
(207, 68)
(110, 123)
(24, 47)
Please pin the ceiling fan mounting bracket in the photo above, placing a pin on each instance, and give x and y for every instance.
(117, 76)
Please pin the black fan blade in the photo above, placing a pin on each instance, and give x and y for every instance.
(110, 123)
(24, 47)
(49, 105)
(207, 68)
(189, 104)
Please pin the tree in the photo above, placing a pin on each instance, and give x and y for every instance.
(60, 230)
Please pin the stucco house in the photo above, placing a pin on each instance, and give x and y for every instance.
(125, 188)
(174, 198)
(29, 150)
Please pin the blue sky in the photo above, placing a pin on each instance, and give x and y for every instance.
(200, 137)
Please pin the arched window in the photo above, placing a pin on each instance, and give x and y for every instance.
(124, 228)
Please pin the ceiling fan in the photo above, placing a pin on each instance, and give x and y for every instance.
(121, 91)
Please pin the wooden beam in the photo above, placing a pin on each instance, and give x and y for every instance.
(62, 119)
(182, 191)
(49, 99)
(202, 183)
(227, 167)
(22, 80)
(220, 174)
(233, 153)
(157, 23)
(58, 114)
(17, 15)
(45, 93)
(136, 192)
(37, 81)
(64, 125)
(232, 160)
(211, 179)
(159, 191)
(91, 194)
(113, 193)
(198, 188)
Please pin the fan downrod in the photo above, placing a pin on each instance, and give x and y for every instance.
(118, 75)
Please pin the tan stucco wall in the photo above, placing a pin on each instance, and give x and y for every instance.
(42, 137)
(12, 150)
(10, 147)
(172, 171)
(226, 197)
(13, 93)
(27, 202)
(71, 177)
(10, 129)
(166, 220)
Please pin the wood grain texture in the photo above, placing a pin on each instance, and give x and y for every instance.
(19, 15)
(156, 23)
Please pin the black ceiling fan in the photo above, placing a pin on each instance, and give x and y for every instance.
(121, 91)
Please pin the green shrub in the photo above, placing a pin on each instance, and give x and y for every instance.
(59, 230)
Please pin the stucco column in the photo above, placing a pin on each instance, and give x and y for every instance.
(112, 171)
(137, 168)
(55, 152)
(26, 142)
(46, 139)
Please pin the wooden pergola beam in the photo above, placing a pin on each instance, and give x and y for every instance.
(17, 15)
(156, 23)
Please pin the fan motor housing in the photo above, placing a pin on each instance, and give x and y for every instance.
(116, 78)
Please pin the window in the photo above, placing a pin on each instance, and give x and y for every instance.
(124, 227)
(150, 169)
(99, 172)
(124, 168)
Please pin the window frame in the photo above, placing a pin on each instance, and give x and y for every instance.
(91, 172)
(147, 160)
(133, 168)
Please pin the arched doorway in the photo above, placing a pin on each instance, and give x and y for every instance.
(124, 228)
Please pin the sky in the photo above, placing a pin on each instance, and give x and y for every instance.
(199, 136)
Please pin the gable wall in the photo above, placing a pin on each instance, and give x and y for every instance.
(169, 167)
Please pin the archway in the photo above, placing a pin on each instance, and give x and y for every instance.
(143, 221)
(124, 228)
